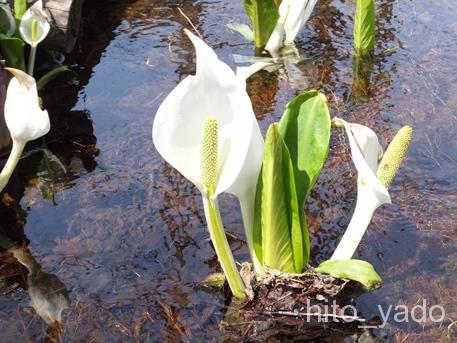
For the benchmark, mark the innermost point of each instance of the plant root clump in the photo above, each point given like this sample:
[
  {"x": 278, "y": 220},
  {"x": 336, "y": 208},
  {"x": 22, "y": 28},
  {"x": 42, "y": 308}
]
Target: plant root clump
[{"x": 298, "y": 307}]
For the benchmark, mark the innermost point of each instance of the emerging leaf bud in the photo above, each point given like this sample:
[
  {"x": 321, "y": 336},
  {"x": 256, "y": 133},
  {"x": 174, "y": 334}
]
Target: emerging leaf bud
[
  {"x": 209, "y": 153},
  {"x": 394, "y": 155}
]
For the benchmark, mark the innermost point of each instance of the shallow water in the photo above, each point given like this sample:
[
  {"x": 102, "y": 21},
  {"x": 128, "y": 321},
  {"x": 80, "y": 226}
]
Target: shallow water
[{"x": 125, "y": 233}]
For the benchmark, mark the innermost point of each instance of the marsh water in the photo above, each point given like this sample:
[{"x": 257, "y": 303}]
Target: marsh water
[{"x": 106, "y": 219}]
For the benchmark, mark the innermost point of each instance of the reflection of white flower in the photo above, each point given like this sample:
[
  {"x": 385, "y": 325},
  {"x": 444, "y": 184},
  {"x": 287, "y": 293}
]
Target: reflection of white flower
[
  {"x": 293, "y": 15},
  {"x": 11, "y": 23},
  {"x": 24, "y": 118},
  {"x": 371, "y": 193}
]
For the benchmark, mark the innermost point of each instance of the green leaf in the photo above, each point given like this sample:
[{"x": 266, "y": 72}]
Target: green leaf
[
  {"x": 305, "y": 127},
  {"x": 278, "y": 235},
  {"x": 264, "y": 16},
  {"x": 13, "y": 52},
  {"x": 20, "y": 6},
  {"x": 357, "y": 270},
  {"x": 364, "y": 27},
  {"x": 51, "y": 75}
]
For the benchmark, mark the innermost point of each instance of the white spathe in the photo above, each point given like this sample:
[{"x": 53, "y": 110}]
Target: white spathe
[
  {"x": 371, "y": 193},
  {"x": 293, "y": 15},
  {"x": 215, "y": 91},
  {"x": 35, "y": 12},
  {"x": 24, "y": 118}
]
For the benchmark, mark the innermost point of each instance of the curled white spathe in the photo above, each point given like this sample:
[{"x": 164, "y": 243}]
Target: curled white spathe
[
  {"x": 371, "y": 193},
  {"x": 293, "y": 15},
  {"x": 35, "y": 12},
  {"x": 215, "y": 90},
  {"x": 24, "y": 118}
]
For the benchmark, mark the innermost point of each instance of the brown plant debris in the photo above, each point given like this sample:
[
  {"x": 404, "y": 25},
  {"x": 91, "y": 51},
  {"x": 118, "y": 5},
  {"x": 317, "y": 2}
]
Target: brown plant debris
[{"x": 305, "y": 306}]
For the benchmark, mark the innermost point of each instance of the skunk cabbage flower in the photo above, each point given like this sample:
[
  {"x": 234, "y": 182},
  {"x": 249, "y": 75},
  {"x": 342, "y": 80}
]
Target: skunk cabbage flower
[
  {"x": 34, "y": 27},
  {"x": 372, "y": 180},
  {"x": 11, "y": 23},
  {"x": 293, "y": 15},
  {"x": 206, "y": 129},
  {"x": 24, "y": 118}
]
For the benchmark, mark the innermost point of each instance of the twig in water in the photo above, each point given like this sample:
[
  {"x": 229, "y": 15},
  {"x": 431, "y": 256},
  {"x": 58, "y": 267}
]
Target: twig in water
[
  {"x": 190, "y": 22},
  {"x": 310, "y": 314}
]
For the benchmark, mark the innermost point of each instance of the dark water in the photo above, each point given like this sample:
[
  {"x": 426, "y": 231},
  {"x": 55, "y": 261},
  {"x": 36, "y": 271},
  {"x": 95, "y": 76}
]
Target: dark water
[{"x": 125, "y": 233}]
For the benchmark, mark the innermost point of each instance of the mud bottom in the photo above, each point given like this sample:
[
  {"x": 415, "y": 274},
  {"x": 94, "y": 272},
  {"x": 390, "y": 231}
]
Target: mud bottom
[{"x": 306, "y": 307}]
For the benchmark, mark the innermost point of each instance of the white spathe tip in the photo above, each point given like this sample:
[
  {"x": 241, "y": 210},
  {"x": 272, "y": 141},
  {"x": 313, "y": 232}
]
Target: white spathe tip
[
  {"x": 34, "y": 13},
  {"x": 24, "y": 118}
]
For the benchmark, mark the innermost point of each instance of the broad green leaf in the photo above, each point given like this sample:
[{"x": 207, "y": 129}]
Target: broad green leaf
[
  {"x": 51, "y": 75},
  {"x": 20, "y": 6},
  {"x": 305, "y": 127},
  {"x": 279, "y": 231},
  {"x": 264, "y": 15},
  {"x": 357, "y": 270},
  {"x": 364, "y": 27},
  {"x": 13, "y": 52}
]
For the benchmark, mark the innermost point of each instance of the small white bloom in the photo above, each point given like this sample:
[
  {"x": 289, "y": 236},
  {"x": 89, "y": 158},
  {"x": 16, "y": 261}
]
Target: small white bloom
[
  {"x": 24, "y": 118},
  {"x": 371, "y": 193},
  {"x": 293, "y": 15},
  {"x": 34, "y": 26}
]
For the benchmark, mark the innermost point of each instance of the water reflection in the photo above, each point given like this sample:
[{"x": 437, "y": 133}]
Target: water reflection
[
  {"x": 362, "y": 69},
  {"x": 125, "y": 231},
  {"x": 48, "y": 294}
]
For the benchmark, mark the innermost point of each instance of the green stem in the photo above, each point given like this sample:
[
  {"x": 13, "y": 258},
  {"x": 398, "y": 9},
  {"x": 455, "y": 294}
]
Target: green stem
[
  {"x": 32, "y": 56},
  {"x": 222, "y": 247},
  {"x": 13, "y": 159}
]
